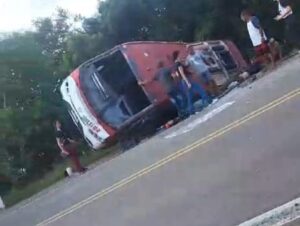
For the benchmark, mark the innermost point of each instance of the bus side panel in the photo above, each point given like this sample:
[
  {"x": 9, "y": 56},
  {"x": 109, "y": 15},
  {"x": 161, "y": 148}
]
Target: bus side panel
[
  {"x": 144, "y": 58},
  {"x": 237, "y": 56}
]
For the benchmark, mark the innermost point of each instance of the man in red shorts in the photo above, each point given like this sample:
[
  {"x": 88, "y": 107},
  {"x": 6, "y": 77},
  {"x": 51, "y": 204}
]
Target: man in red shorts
[{"x": 258, "y": 37}]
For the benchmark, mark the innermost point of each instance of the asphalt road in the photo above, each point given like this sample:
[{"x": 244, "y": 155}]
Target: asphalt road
[
  {"x": 295, "y": 223},
  {"x": 237, "y": 159}
]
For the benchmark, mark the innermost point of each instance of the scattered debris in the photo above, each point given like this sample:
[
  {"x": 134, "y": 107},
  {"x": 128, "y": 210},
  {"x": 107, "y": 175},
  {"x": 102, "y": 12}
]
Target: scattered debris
[
  {"x": 233, "y": 84},
  {"x": 192, "y": 125}
]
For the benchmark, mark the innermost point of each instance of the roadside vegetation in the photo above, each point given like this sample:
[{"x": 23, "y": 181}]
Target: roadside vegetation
[
  {"x": 20, "y": 193},
  {"x": 33, "y": 64}
]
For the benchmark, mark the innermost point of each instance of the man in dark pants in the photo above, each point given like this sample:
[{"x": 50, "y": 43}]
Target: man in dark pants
[
  {"x": 286, "y": 14},
  {"x": 67, "y": 147},
  {"x": 166, "y": 77}
]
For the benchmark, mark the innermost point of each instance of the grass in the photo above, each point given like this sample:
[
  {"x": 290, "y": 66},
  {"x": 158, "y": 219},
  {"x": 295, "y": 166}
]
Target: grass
[{"x": 17, "y": 195}]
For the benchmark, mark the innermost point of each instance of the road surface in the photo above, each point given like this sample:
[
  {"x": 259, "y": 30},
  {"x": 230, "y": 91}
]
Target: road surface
[
  {"x": 232, "y": 162},
  {"x": 295, "y": 223}
]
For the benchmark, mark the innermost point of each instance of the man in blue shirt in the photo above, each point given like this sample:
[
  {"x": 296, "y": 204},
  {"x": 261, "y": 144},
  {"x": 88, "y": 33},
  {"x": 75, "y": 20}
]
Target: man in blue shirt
[
  {"x": 196, "y": 61},
  {"x": 188, "y": 86},
  {"x": 165, "y": 77}
]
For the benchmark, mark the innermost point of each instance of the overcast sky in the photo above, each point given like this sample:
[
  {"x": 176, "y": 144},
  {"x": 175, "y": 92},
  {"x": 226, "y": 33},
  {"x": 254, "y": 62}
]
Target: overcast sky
[{"x": 18, "y": 14}]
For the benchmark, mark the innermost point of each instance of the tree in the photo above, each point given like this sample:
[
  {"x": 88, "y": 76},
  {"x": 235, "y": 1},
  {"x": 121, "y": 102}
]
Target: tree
[
  {"x": 51, "y": 34},
  {"x": 33, "y": 64},
  {"x": 26, "y": 80}
]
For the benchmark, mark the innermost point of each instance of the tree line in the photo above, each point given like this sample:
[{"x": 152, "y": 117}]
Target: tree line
[{"x": 33, "y": 63}]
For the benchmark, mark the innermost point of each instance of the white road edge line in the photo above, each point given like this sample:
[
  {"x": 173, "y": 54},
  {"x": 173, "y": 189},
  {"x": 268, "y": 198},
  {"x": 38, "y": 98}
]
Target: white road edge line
[
  {"x": 193, "y": 124},
  {"x": 279, "y": 216}
]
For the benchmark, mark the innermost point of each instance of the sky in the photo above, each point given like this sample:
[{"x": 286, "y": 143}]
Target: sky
[{"x": 17, "y": 15}]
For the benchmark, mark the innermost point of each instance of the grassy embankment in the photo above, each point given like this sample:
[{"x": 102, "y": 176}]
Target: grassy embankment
[{"x": 57, "y": 174}]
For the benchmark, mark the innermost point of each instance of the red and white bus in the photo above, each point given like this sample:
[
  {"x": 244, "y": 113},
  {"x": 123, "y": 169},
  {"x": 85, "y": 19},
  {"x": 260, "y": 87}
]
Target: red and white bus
[{"x": 106, "y": 102}]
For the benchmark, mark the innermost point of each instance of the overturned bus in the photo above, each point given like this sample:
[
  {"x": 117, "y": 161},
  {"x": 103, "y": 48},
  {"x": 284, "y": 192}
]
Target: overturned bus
[{"x": 106, "y": 102}]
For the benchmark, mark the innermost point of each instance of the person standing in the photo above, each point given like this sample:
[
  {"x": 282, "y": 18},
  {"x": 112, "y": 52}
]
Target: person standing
[
  {"x": 258, "y": 37},
  {"x": 189, "y": 87},
  {"x": 166, "y": 77},
  {"x": 67, "y": 147},
  {"x": 286, "y": 14},
  {"x": 197, "y": 62}
]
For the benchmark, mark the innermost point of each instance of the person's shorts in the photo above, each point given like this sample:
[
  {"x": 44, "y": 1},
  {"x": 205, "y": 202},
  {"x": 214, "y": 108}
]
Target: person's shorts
[{"x": 262, "y": 49}]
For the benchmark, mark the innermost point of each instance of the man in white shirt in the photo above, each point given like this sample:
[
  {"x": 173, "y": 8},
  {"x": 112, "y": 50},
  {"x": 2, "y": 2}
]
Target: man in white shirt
[{"x": 257, "y": 36}]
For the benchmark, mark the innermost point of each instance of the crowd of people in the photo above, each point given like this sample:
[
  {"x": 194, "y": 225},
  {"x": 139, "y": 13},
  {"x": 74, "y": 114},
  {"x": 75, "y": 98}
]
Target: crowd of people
[
  {"x": 179, "y": 84},
  {"x": 179, "y": 78}
]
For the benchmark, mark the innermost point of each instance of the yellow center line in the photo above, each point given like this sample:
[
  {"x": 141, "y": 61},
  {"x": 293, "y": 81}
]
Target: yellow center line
[{"x": 173, "y": 156}]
